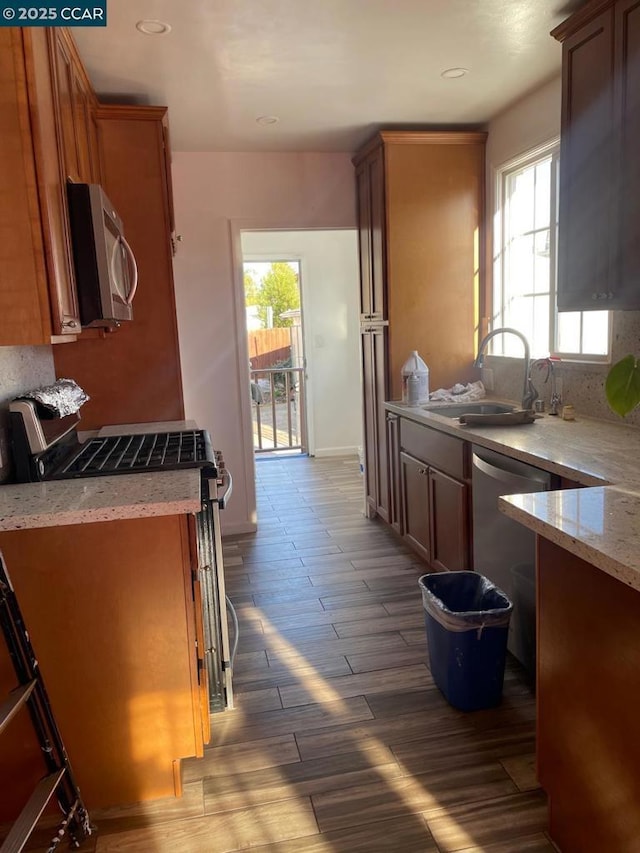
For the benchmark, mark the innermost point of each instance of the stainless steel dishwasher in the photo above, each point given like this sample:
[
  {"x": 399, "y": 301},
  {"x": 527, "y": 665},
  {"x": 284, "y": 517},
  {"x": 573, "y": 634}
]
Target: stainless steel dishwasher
[{"x": 503, "y": 550}]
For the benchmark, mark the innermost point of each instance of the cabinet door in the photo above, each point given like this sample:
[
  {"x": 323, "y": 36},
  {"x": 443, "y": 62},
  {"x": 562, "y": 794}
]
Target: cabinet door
[
  {"x": 627, "y": 76},
  {"x": 371, "y": 223},
  {"x": 587, "y": 184},
  {"x": 82, "y": 120},
  {"x": 166, "y": 144},
  {"x": 449, "y": 508},
  {"x": 364, "y": 239},
  {"x": 76, "y": 111},
  {"x": 378, "y": 213},
  {"x": 65, "y": 314},
  {"x": 374, "y": 378},
  {"x": 414, "y": 479},
  {"x": 64, "y": 90},
  {"x": 433, "y": 193},
  {"x": 23, "y": 304},
  {"x": 393, "y": 453},
  {"x": 117, "y": 605},
  {"x": 37, "y": 295}
]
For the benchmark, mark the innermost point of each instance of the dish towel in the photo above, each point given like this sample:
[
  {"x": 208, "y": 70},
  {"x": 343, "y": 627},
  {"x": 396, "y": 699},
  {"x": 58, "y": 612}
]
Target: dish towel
[{"x": 459, "y": 393}]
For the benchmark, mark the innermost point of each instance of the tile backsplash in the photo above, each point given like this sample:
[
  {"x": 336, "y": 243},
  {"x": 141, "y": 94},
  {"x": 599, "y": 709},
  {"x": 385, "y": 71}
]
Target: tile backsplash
[
  {"x": 582, "y": 384},
  {"x": 21, "y": 369}
]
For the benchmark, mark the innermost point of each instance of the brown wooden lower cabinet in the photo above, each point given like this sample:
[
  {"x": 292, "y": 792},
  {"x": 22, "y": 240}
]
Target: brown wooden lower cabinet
[
  {"x": 111, "y": 613},
  {"x": 393, "y": 452},
  {"x": 449, "y": 522},
  {"x": 588, "y": 740},
  {"x": 433, "y": 505},
  {"x": 414, "y": 478},
  {"x": 374, "y": 373}
]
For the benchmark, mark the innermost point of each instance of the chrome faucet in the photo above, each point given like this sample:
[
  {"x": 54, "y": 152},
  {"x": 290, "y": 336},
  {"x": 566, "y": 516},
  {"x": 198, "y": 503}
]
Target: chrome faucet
[{"x": 529, "y": 393}]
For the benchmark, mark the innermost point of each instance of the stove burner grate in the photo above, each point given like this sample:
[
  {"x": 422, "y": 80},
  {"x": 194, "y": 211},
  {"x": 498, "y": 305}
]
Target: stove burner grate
[{"x": 138, "y": 453}]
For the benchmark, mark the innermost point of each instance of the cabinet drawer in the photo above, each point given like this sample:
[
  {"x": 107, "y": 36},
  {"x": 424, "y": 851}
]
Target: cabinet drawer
[{"x": 445, "y": 452}]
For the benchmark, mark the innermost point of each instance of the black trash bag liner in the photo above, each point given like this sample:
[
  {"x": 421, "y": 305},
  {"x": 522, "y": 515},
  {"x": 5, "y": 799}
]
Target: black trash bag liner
[
  {"x": 64, "y": 397},
  {"x": 462, "y": 601}
]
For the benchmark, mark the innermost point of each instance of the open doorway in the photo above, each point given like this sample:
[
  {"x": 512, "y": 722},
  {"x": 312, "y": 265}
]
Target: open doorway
[
  {"x": 330, "y": 329},
  {"x": 277, "y": 364}
]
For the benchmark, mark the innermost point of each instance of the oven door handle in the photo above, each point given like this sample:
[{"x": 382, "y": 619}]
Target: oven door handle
[{"x": 227, "y": 488}]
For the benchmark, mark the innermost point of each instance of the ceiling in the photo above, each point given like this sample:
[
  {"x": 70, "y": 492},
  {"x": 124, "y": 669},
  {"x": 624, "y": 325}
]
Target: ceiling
[{"x": 332, "y": 71}]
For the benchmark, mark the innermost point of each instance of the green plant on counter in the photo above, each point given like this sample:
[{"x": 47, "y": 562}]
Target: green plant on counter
[{"x": 622, "y": 386}]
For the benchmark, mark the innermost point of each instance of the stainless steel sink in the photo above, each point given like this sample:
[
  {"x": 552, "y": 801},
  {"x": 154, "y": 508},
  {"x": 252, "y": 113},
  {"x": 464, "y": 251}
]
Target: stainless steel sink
[{"x": 454, "y": 411}]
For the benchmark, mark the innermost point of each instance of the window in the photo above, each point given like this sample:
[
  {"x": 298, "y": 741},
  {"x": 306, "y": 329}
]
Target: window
[{"x": 525, "y": 240}]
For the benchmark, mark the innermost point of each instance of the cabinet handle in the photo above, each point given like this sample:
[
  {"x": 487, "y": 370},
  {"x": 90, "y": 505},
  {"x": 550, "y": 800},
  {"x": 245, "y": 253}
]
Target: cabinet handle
[
  {"x": 423, "y": 471},
  {"x": 602, "y": 295},
  {"x": 70, "y": 324}
]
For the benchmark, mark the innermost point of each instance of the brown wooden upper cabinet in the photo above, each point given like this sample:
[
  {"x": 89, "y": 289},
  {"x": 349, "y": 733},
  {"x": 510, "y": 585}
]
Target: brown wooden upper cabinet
[
  {"x": 135, "y": 176},
  {"x": 76, "y": 106},
  {"x": 371, "y": 217},
  {"x": 38, "y": 302},
  {"x": 599, "y": 213}
]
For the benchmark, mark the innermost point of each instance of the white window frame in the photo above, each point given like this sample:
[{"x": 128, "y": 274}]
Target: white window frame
[{"x": 502, "y": 172}]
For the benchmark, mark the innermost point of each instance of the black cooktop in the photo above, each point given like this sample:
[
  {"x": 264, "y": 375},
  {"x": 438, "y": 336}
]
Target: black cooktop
[
  {"x": 124, "y": 454},
  {"x": 127, "y": 454}
]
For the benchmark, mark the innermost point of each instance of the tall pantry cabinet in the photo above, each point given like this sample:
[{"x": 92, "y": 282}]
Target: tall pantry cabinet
[{"x": 420, "y": 203}]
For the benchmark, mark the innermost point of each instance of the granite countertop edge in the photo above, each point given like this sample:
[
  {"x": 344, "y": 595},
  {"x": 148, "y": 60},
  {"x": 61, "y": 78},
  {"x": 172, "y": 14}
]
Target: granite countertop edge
[{"x": 66, "y": 502}]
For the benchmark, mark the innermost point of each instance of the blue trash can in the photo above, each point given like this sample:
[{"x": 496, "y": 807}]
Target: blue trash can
[{"x": 467, "y": 621}]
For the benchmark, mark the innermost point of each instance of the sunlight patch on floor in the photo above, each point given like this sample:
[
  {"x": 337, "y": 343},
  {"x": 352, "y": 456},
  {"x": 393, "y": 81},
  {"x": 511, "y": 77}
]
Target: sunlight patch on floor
[{"x": 406, "y": 788}]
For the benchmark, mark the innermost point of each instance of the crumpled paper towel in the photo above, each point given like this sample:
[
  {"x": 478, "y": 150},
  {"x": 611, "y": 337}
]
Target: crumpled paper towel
[{"x": 459, "y": 393}]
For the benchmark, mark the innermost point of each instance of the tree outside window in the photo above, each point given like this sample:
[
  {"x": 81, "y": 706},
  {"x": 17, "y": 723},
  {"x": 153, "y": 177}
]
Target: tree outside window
[{"x": 273, "y": 293}]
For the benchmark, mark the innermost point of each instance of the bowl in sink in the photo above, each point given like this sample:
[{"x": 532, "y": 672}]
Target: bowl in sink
[{"x": 457, "y": 409}]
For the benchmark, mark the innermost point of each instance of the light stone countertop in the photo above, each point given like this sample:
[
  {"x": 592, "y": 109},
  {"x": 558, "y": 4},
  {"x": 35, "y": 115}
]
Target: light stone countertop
[
  {"x": 91, "y": 499},
  {"x": 599, "y": 524}
]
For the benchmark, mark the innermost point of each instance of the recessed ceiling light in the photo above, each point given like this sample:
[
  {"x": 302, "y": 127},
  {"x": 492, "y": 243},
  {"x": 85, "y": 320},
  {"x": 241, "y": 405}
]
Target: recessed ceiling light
[
  {"x": 268, "y": 119},
  {"x": 454, "y": 73},
  {"x": 153, "y": 28}
]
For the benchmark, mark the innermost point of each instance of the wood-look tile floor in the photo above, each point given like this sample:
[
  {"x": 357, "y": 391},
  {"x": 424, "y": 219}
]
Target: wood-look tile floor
[{"x": 340, "y": 742}]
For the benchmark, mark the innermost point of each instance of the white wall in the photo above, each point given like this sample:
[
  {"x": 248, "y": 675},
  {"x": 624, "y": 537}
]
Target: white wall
[
  {"x": 330, "y": 306},
  {"x": 216, "y": 195},
  {"x": 526, "y": 124},
  {"x": 529, "y": 122}
]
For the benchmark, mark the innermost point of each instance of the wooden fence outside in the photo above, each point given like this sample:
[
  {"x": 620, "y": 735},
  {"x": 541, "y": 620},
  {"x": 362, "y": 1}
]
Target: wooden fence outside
[{"x": 269, "y": 347}]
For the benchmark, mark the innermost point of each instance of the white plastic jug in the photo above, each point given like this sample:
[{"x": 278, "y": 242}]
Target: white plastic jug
[{"x": 415, "y": 381}]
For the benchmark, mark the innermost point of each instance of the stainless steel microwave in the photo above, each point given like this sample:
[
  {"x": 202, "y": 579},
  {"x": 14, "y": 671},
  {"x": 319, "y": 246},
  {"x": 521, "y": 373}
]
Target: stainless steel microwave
[{"x": 105, "y": 267}]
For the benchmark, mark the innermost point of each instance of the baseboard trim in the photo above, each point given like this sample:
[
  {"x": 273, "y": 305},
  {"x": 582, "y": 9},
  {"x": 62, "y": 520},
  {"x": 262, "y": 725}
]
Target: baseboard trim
[
  {"x": 238, "y": 528},
  {"x": 323, "y": 452}
]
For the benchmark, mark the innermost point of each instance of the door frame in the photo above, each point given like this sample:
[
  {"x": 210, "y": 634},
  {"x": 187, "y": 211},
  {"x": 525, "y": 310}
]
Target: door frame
[
  {"x": 264, "y": 257},
  {"x": 236, "y": 227}
]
